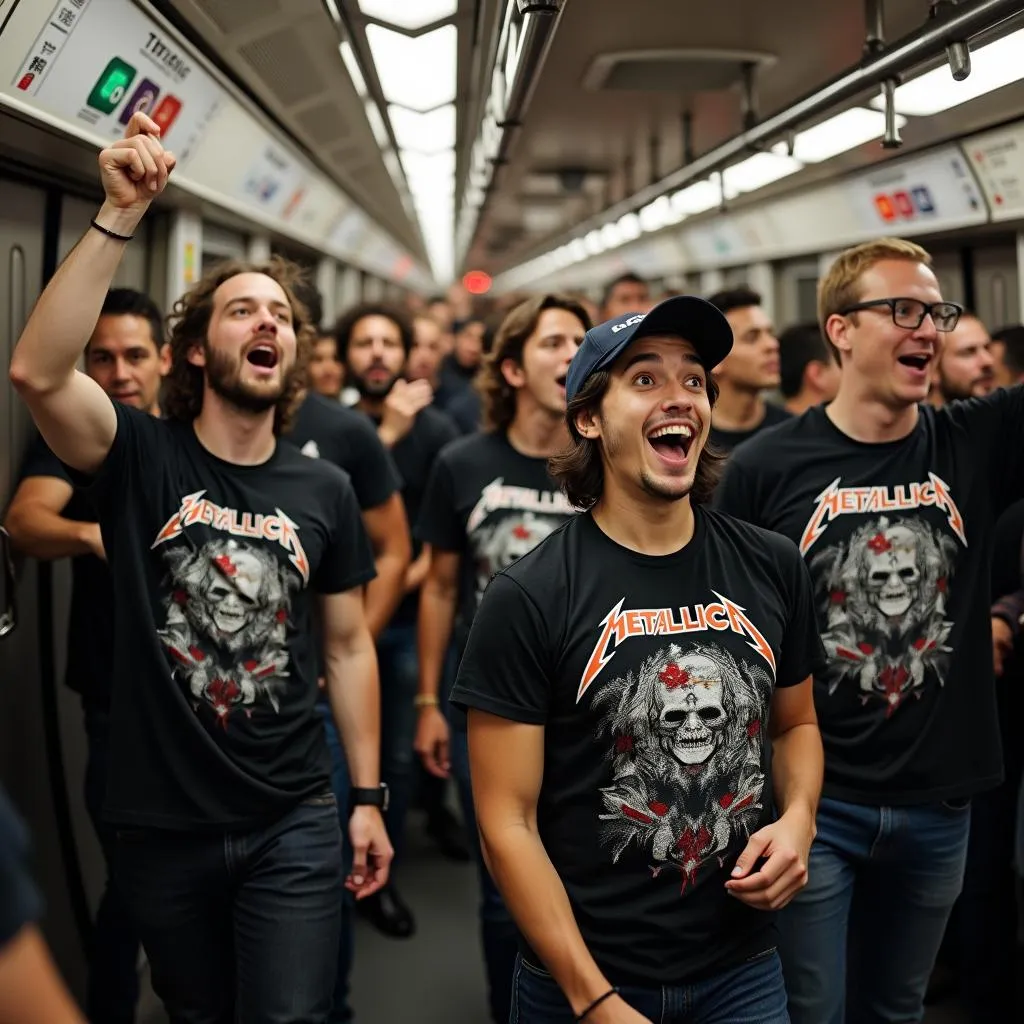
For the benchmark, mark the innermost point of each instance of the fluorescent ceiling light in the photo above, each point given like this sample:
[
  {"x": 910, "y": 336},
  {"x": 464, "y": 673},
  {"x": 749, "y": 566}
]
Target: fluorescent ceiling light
[
  {"x": 393, "y": 164},
  {"x": 352, "y": 66},
  {"x": 629, "y": 227},
  {"x": 696, "y": 198},
  {"x": 594, "y": 243},
  {"x": 426, "y": 133},
  {"x": 377, "y": 126},
  {"x": 611, "y": 236},
  {"x": 418, "y": 73},
  {"x": 654, "y": 216},
  {"x": 992, "y": 66},
  {"x": 409, "y": 14},
  {"x": 332, "y": 9},
  {"x": 431, "y": 177},
  {"x": 757, "y": 171},
  {"x": 838, "y": 134},
  {"x": 578, "y": 250}
]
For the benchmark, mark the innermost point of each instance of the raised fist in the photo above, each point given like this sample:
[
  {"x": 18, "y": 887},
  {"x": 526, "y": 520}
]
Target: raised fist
[{"x": 134, "y": 169}]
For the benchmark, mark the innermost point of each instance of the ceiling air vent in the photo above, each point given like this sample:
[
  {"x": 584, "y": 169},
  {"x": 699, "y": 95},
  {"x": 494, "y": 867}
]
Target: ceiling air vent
[
  {"x": 232, "y": 16},
  {"x": 676, "y": 71}
]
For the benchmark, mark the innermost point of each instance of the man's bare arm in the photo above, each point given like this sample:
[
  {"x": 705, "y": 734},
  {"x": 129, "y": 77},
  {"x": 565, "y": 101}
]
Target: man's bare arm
[
  {"x": 71, "y": 410},
  {"x": 31, "y": 990},
  {"x": 506, "y": 766},
  {"x": 439, "y": 596},
  {"x": 388, "y": 529},
  {"x": 37, "y": 527}
]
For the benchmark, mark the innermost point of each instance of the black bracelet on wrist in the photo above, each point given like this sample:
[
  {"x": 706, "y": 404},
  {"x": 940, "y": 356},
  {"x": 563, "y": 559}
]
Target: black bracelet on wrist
[
  {"x": 597, "y": 1002},
  {"x": 111, "y": 234}
]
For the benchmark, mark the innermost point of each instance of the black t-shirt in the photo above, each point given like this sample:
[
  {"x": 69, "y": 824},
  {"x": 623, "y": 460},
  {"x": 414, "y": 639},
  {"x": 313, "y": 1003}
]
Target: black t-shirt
[
  {"x": 90, "y": 638},
  {"x": 213, "y": 719},
  {"x": 653, "y": 678},
  {"x": 325, "y": 429},
  {"x": 898, "y": 538},
  {"x": 491, "y": 504},
  {"x": 20, "y": 903},
  {"x": 414, "y": 457},
  {"x": 727, "y": 440}
]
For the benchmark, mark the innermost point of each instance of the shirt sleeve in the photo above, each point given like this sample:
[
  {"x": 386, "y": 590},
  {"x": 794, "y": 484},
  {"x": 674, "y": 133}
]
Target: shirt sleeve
[
  {"x": 348, "y": 559},
  {"x": 803, "y": 653},
  {"x": 736, "y": 493},
  {"x": 140, "y": 442},
  {"x": 506, "y": 668},
  {"x": 40, "y": 461},
  {"x": 372, "y": 470},
  {"x": 439, "y": 523},
  {"x": 20, "y": 902},
  {"x": 995, "y": 427}
]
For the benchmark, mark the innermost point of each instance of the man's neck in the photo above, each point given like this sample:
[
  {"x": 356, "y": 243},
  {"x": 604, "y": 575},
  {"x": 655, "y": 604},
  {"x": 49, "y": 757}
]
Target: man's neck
[
  {"x": 651, "y": 526},
  {"x": 738, "y": 409},
  {"x": 538, "y": 434},
  {"x": 864, "y": 418},
  {"x": 799, "y": 404},
  {"x": 372, "y": 407},
  {"x": 242, "y": 438}
]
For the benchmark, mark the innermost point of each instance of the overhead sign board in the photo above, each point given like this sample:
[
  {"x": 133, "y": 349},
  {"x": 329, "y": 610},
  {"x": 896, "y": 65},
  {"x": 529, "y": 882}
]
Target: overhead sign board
[
  {"x": 997, "y": 158},
  {"x": 96, "y": 62},
  {"x": 932, "y": 192}
]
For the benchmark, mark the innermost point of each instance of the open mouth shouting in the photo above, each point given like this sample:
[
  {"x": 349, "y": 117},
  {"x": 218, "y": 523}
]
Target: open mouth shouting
[
  {"x": 264, "y": 356},
  {"x": 917, "y": 365},
  {"x": 672, "y": 443},
  {"x": 560, "y": 381}
]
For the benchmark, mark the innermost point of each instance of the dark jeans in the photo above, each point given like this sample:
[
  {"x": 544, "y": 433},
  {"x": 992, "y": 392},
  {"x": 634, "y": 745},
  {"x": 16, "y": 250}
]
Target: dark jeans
[
  {"x": 498, "y": 932},
  {"x": 341, "y": 1012},
  {"x": 858, "y": 943},
  {"x": 112, "y": 989},
  {"x": 240, "y": 926},
  {"x": 752, "y": 993}
]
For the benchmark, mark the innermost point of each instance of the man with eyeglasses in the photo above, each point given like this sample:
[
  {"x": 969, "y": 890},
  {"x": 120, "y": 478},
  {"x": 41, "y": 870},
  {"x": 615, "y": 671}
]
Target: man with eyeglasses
[{"x": 892, "y": 503}]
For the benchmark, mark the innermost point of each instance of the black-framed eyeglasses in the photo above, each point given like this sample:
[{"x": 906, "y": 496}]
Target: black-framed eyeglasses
[{"x": 910, "y": 313}]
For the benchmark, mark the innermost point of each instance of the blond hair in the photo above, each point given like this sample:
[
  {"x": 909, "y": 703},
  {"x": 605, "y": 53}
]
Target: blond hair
[{"x": 840, "y": 287}]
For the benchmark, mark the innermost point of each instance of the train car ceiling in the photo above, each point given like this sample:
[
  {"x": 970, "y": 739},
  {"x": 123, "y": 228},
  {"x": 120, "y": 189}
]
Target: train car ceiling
[{"x": 79, "y": 69}]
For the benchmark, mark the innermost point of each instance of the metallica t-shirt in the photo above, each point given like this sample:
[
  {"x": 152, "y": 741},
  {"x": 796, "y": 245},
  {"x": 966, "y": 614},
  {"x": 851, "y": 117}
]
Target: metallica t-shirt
[
  {"x": 653, "y": 678},
  {"x": 325, "y": 429},
  {"x": 214, "y": 564},
  {"x": 897, "y": 537},
  {"x": 491, "y": 504},
  {"x": 91, "y": 618}
]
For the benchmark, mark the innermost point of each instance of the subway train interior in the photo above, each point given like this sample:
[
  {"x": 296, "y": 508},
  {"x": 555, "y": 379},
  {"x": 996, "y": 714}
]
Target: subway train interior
[{"x": 452, "y": 158}]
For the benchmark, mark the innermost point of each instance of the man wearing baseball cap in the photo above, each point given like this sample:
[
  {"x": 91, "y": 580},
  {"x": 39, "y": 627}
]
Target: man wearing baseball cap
[{"x": 645, "y": 757}]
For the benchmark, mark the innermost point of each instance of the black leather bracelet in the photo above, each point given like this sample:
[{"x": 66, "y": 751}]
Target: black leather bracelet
[
  {"x": 597, "y": 1002},
  {"x": 111, "y": 234}
]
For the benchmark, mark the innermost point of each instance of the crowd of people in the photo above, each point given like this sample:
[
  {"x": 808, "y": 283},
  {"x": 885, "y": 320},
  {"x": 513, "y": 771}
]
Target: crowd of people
[{"x": 712, "y": 627}]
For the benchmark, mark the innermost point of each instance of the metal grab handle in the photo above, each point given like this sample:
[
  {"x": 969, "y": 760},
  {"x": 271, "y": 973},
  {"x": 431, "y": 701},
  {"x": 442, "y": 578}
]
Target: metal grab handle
[{"x": 9, "y": 619}]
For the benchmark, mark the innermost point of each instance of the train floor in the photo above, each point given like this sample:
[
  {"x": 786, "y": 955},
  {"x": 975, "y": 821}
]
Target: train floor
[{"x": 436, "y": 976}]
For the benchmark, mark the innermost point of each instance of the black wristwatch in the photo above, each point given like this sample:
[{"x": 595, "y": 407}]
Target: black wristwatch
[{"x": 368, "y": 797}]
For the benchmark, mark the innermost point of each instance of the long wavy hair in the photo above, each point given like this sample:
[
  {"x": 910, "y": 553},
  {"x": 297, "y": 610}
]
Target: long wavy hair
[
  {"x": 580, "y": 470},
  {"x": 190, "y": 324},
  {"x": 497, "y": 395}
]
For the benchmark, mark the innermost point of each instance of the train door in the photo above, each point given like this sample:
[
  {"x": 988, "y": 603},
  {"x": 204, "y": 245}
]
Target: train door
[
  {"x": 30, "y": 765},
  {"x": 996, "y": 285},
  {"x": 796, "y": 292}
]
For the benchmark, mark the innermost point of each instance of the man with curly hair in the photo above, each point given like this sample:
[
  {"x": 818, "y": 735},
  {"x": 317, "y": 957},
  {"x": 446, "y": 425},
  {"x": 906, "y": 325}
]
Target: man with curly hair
[
  {"x": 644, "y": 752},
  {"x": 217, "y": 535}
]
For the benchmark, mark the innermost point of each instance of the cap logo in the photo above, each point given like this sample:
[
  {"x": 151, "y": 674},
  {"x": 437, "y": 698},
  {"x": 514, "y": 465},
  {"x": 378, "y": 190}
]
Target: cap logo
[{"x": 627, "y": 323}]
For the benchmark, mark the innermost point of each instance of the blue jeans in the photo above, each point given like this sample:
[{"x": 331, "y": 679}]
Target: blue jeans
[
  {"x": 751, "y": 993},
  {"x": 240, "y": 926},
  {"x": 859, "y": 941},
  {"x": 341, "y": 1012},
  {"x": 498, "y": 933},
  {"x": 112, "y": 990}
]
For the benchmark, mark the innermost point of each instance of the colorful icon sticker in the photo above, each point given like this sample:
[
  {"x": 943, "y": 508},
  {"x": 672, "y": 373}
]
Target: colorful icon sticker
[{"x": 111, "y": 86}]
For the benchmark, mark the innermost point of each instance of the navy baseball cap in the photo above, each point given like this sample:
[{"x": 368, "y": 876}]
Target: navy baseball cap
[{"x": 686, "y": 316}]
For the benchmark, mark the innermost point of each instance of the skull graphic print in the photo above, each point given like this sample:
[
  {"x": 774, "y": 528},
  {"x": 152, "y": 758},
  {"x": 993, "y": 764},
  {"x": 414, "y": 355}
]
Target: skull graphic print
[
  {"x": 884, "y": 594},
  {"x": 226, "y": 626},
  {"x": 684, "y": 739}
]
